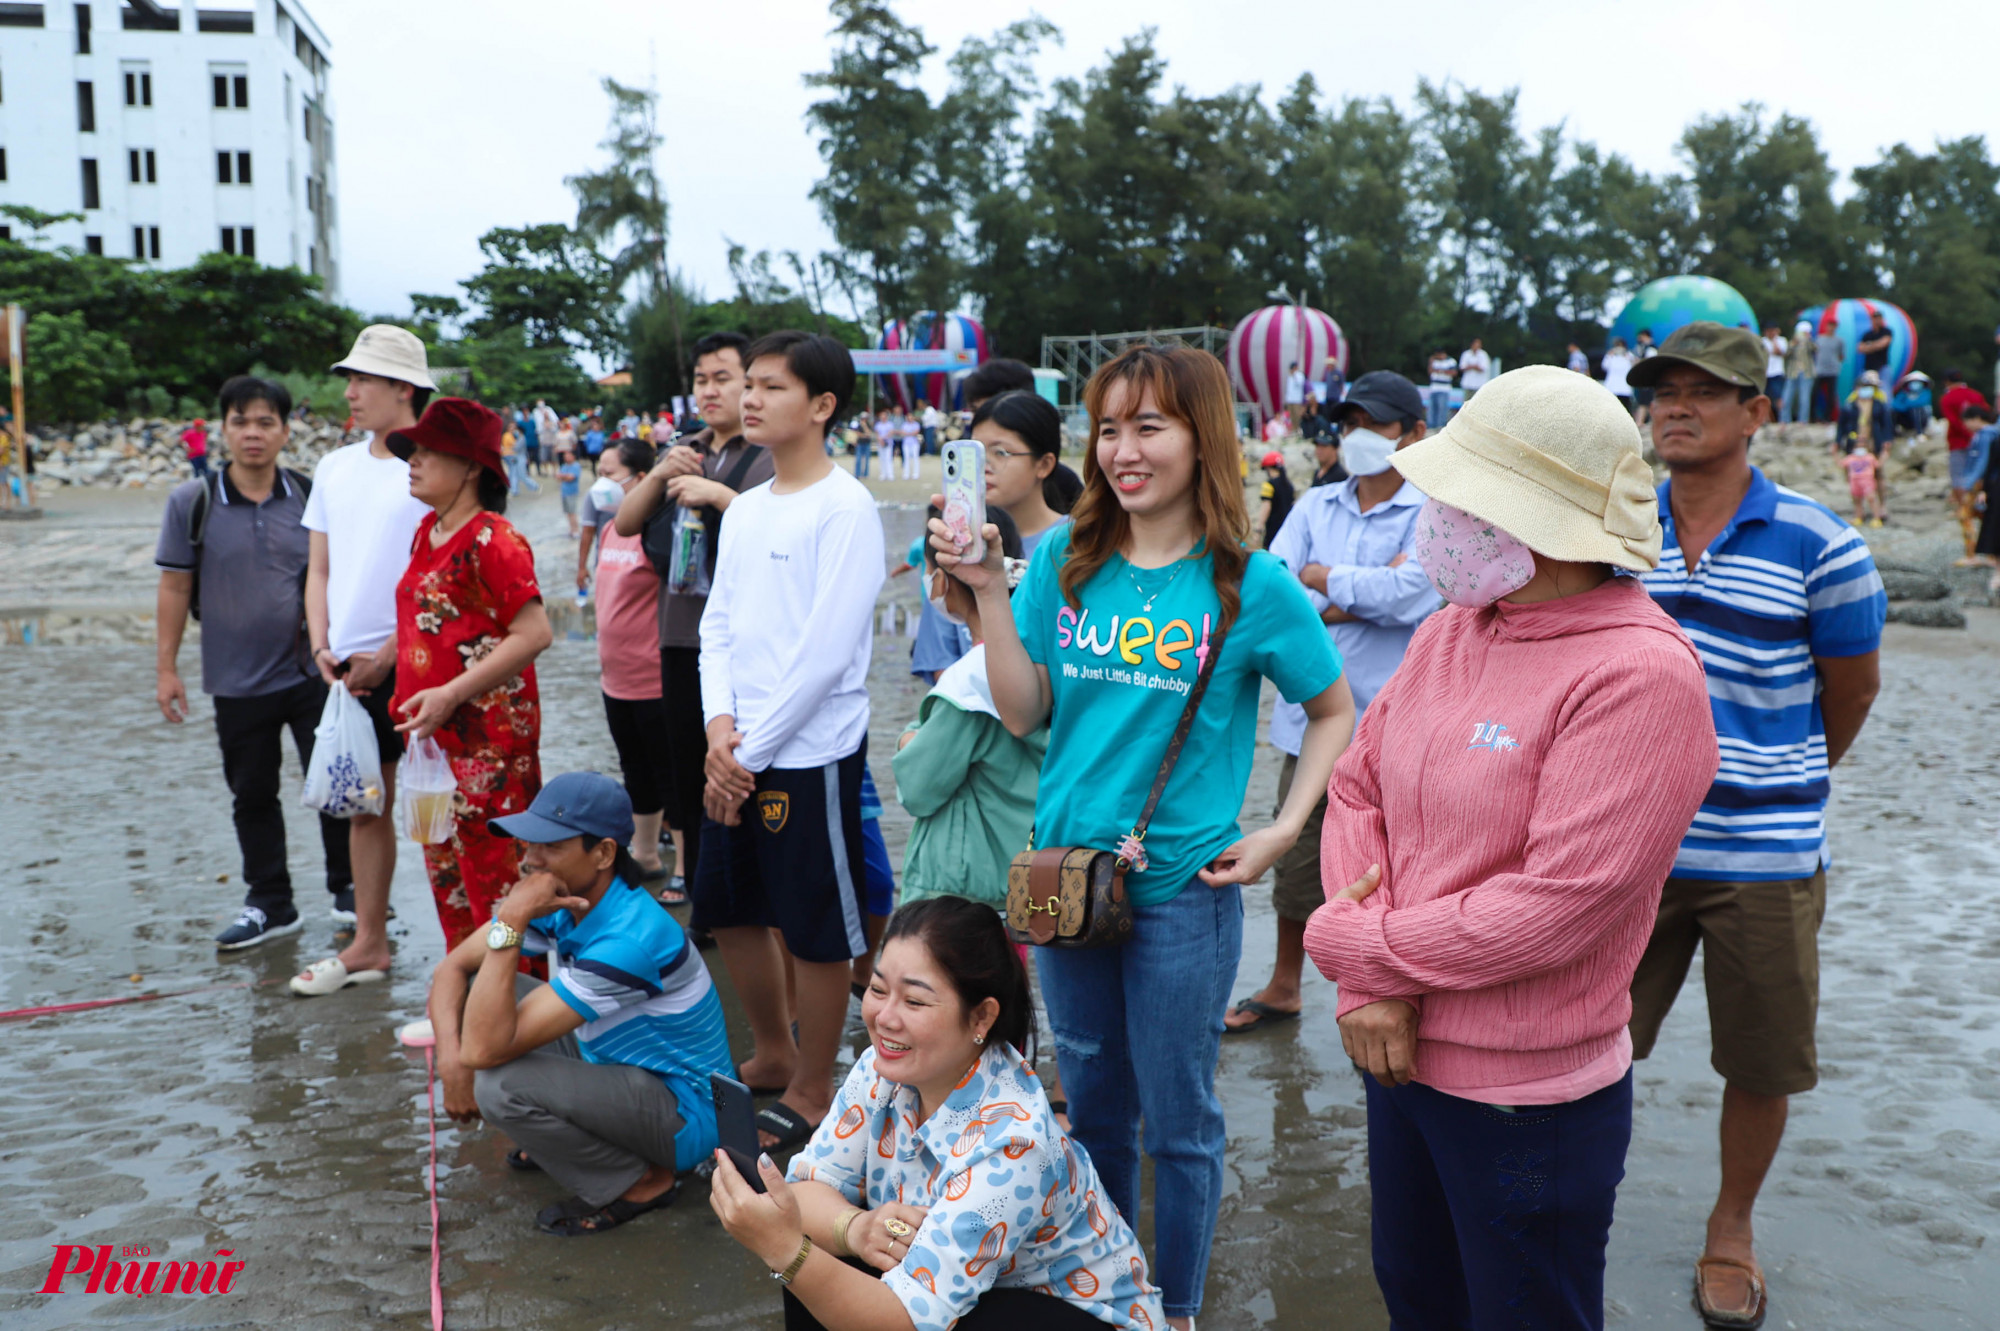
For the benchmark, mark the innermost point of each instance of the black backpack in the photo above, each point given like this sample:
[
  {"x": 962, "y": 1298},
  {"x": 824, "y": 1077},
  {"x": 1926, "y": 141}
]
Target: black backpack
[{"x": 204, "y": 501}]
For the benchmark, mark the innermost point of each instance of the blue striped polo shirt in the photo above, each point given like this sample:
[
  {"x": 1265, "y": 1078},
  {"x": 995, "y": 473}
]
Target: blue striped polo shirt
[
  {"x": 629, "y": 971},
  {"x": 1787, "y": 580}
]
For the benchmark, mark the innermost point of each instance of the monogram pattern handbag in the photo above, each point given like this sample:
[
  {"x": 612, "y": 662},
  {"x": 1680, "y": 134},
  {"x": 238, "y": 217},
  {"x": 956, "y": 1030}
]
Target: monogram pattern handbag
[{"x": 1074, "y": 896}]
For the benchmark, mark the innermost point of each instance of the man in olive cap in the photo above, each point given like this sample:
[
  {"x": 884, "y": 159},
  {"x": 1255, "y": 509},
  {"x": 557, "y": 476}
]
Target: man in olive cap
[{"x": 1782, "y": 600}]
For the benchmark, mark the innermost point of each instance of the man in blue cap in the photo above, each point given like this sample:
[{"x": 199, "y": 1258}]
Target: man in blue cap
[
  {"x": 600, "y": 1075},
  {"x": 1349, "y": 544}
]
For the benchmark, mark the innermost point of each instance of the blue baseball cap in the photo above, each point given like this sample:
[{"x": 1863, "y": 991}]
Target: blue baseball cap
[{"x": 585, "y": 804}]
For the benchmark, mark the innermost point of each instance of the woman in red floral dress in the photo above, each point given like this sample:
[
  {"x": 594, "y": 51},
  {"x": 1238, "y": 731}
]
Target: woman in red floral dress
[{"x": 469, "y": 624}]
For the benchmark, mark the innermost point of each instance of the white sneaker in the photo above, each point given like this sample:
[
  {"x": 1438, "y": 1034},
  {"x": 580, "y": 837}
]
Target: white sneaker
[{"x": 417, "y": 1033}]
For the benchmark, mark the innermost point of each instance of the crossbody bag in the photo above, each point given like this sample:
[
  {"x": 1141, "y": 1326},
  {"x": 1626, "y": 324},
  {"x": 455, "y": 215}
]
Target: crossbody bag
[{"x": 1074, "y": 896}]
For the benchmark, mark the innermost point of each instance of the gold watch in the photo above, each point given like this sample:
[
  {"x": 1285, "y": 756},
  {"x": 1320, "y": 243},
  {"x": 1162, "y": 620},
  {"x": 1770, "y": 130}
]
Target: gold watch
[
  {"x": 501, "y": 935},
  {"x": 790, "y": 1273}
]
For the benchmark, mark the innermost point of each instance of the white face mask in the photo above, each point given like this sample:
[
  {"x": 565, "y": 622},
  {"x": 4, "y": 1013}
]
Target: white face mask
[
  {"x": 938, "y": 602},
  {"x": 1366, "y": 453}
]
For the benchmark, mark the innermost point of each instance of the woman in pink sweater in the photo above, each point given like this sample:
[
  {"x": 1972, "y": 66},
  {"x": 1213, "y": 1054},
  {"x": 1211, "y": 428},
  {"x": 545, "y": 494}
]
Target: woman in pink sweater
[{"x": 1498, "y": 834}]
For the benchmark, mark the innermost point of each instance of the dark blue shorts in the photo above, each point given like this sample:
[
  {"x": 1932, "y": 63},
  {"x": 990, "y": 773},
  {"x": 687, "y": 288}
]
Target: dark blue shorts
[{"x": 795, "y": 863}]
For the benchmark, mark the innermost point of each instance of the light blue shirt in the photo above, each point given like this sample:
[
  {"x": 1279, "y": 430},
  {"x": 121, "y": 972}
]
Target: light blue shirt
[{"x": 1328, "y": 527}]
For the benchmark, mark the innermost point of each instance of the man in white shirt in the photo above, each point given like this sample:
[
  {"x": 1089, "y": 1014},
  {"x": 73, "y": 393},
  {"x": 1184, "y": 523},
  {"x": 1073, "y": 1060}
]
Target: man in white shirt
[
  {"x": 1295, "y": 394},
  {"x": 361, "y": 520},
  {"x": 1475, "y": 367},
  {"x": 932, "y": 419},
  {"x": 785, "y": 644}
]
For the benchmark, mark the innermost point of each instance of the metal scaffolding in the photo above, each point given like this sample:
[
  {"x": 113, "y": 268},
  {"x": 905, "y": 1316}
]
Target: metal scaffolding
[{"x": 1077, "y": 358}]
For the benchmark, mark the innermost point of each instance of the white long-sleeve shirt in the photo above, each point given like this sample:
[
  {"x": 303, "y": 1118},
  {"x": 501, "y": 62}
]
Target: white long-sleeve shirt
[{"x": 790, "y": 622}]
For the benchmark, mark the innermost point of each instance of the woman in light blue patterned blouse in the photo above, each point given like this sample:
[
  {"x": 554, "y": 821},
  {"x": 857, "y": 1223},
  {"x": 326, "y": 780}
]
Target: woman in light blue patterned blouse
[{"x": 940, "y": 1164}]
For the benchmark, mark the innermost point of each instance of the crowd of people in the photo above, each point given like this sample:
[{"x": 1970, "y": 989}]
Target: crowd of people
[{"x": 1545, "y": 729}]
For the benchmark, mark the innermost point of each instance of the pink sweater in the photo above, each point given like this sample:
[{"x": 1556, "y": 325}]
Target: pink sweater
[{"x": 1524, "y": 780}]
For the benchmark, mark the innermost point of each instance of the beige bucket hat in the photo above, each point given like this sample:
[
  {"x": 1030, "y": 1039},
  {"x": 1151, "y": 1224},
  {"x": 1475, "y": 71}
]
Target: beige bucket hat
[
  {"x": 392, "y": 353},
  {"x": 1550, "y": 457}
]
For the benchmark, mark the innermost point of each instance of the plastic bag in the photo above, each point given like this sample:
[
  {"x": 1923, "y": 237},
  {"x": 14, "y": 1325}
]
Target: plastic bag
[
  {"x": 345, "y": 775},
  {"x": 688, "y": 573},
  {"x": 425, "y": 789}
]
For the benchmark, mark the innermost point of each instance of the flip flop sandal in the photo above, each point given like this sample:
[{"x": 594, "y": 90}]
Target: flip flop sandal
[
  {"x": 783, "y": 1122},
  {"x": 1266, "y": 1016},
  {"x": 671, "y": 895},
  {"x": 330, "y": 977},
  {"x": 1730, "y": 1319},
  {"x": 522, "y": 1161},
  {"x": 608, "y": 1216}
]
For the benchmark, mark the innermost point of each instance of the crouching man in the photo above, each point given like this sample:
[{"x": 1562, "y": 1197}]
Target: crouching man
[{"x": 600, "y": 1076}]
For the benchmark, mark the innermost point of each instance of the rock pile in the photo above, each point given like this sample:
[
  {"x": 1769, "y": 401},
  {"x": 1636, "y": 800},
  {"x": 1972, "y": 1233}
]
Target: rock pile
[{"x": 141, "y": 453}]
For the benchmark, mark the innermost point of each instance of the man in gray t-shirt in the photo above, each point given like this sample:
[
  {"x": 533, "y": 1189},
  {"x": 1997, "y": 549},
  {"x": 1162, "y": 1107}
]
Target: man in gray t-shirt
[
  {"x": 705, "y": 470},
  {"x": 244, "y": 574},
  {"x": 1829, "y": 352}
]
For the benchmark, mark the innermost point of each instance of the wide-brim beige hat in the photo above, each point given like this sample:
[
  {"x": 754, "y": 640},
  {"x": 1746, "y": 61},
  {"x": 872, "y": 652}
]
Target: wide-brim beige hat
[
  {"x": 392, "y": 353},
  {"x": 1551, "y": 457}
]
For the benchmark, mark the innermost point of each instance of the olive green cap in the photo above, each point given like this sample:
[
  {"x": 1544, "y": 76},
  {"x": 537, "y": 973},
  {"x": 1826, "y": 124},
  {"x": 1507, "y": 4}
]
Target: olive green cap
[{"x": 1733, "y": 355}]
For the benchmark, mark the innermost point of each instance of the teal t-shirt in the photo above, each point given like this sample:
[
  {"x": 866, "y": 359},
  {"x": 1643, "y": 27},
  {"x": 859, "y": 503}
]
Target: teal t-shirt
[{"x": 1120, "y": 675}]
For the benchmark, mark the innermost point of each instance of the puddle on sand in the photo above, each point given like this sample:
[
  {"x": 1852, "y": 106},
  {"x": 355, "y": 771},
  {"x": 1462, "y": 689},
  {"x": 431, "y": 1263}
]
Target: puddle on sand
[{"x": 292, "y": 1132}]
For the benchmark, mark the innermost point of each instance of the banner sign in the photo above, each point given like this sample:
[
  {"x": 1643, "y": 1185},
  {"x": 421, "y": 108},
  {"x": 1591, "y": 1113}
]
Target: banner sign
[{"x": 920, "y": 360}]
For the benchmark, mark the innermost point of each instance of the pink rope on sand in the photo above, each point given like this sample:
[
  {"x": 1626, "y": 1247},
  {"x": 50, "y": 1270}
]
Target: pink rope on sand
[
  {"x": 53, "y": 1009},
  {"x": 430, "y": 1086}
]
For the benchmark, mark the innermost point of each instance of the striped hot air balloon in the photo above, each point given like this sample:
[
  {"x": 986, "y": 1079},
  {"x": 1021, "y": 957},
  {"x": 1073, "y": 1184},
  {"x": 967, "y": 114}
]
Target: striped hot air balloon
[
  {"x": 1266, "y": 344},
  {"x": 1849, "y": 321},
  {"x": 928, "y": 330}
]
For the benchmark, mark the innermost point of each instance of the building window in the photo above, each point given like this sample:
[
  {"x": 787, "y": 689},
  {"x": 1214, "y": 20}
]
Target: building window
[
  {"x": 240, "y": 85},
  {"x": 232, "y": 168},
  {"x": 3, "y": 163},
  {"x": 221, "y": 82},
  {"x": 138, "y": 87},
  {"x": 246, "y": 241},
  {"x": 6, "y": 233},
  {"x": 138, "y": 242},
  {"x": 90, "y": 183},
  {"x": 86, "y": 108},
  {"x": 243, "y": 168},
  {"x": 93, "y": 244},
  {"x": 152, "y": 168},
  {"x": 229, "y": 240},
  {"x": 144, "y": 166},
  {"x": 83, "y": 29},
  {"x": 136, "y": 163}
]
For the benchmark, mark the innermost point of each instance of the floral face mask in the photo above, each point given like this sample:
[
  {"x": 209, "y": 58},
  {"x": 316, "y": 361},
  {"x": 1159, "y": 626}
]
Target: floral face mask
[{"x": 1469, "y": 560}]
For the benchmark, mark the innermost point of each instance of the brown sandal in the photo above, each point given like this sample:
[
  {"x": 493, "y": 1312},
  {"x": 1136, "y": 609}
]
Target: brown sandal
[{"x": 1743, "y": 1319}]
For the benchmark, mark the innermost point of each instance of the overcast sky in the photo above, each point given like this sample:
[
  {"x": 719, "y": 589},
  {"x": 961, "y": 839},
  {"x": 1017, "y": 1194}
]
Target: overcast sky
[{"x": 455, "y": 116}]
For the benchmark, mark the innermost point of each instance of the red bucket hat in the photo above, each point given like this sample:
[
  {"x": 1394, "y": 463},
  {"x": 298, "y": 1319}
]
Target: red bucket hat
[{"x": 457, "y": 426}]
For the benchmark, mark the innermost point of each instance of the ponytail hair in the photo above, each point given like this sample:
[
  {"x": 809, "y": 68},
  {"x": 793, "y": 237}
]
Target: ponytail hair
[{"x": 971, "y": 947}]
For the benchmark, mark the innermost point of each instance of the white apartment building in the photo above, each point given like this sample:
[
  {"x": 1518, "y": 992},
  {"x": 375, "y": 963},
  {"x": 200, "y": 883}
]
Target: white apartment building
[{"x": 175, "y": 129}]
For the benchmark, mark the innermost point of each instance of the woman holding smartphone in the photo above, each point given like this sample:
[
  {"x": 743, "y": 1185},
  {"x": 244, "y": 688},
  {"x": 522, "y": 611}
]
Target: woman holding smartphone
[
  {"x": 1022, "y": 435},
  {"x": 1149, "y": 584}
]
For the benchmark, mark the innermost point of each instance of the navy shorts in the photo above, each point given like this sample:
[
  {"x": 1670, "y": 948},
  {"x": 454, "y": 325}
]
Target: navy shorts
[{"x": 795, "y": 863}]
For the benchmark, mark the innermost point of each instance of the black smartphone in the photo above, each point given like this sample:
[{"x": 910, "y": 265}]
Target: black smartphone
[{"x": 736, "y": 1126}]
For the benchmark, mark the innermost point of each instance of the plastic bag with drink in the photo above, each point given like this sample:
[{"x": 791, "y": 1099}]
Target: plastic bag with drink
[
  {"x": 425, "y": 789},
  {"x": 344, "y": 777}
]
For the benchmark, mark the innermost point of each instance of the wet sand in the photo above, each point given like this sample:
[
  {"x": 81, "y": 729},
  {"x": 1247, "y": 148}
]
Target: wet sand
[{"x": 292, "y": 1132}]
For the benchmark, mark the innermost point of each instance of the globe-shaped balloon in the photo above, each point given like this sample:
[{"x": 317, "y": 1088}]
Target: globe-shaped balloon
[
  {"x": 1672, "y": 302},
  {"x": 1850, "y": 320},
  {"x": 929, "y": 330},
  {"x": 1264, "y": 346}
]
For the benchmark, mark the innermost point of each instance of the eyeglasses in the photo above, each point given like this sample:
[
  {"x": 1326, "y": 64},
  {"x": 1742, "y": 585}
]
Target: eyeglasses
[{"x": 1008, "y": 453}]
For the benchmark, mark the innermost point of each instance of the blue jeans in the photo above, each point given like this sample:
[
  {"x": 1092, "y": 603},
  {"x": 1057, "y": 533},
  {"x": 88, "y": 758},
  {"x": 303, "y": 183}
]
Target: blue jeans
[
  {"x": 1438, "y": 404},
  {"x": 1797, "y": 404},
  {"x": 1484, "y": 1219},
  {"x": 861, "y": 458},
  {"x": 1138, "y": 1029}
]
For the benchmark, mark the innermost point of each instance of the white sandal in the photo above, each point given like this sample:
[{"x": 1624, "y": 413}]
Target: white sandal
[{"x": 330, "y": 977}]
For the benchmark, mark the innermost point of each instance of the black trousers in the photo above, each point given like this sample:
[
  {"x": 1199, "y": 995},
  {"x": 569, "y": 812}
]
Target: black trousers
[
  {"x": 639, "y": 732},
  {"x": 997, "y": 1310},
  {"x": 687, "y": 748},
  {"x": 251, "y": 732}
]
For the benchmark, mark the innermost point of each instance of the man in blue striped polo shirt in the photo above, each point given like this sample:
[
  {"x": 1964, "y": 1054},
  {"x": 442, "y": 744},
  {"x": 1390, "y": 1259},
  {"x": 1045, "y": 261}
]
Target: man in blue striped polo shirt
[
  {"x": 601, "y": 1075},
  {"x": 1784, "y": 604}
]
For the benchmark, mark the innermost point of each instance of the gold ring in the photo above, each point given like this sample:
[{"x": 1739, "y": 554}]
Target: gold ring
[{"x": 898, "y": 1229}]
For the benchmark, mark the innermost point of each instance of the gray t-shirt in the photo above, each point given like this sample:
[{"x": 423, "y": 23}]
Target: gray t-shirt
[
  {"x": 253, "y": 565},
  {"x": 680, "y": 613},
  {"x": 1828, "y": 353}
]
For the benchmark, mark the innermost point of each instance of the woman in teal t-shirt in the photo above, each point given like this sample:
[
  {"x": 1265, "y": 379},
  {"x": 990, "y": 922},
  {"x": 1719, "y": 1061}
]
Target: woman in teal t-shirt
[{"x": 1103, "y": 641}]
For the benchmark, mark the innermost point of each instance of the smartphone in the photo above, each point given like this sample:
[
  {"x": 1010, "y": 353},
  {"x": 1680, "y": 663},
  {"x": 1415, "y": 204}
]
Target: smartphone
[
  {"x": 736, "y": 1126},
  {"x": 965, "y": 496}
]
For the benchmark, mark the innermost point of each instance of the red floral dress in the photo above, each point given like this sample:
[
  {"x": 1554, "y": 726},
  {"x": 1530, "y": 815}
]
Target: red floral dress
[{"x": 453, "y": 606}]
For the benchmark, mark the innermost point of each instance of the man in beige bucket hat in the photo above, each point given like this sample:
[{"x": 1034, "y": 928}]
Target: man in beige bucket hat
[
  {"x": 361, "y": 519},
  {"x": 1783, "y": 603}
]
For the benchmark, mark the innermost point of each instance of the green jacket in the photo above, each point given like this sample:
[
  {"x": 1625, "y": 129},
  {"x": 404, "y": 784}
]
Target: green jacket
[{"x": 970, "y": 785}]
